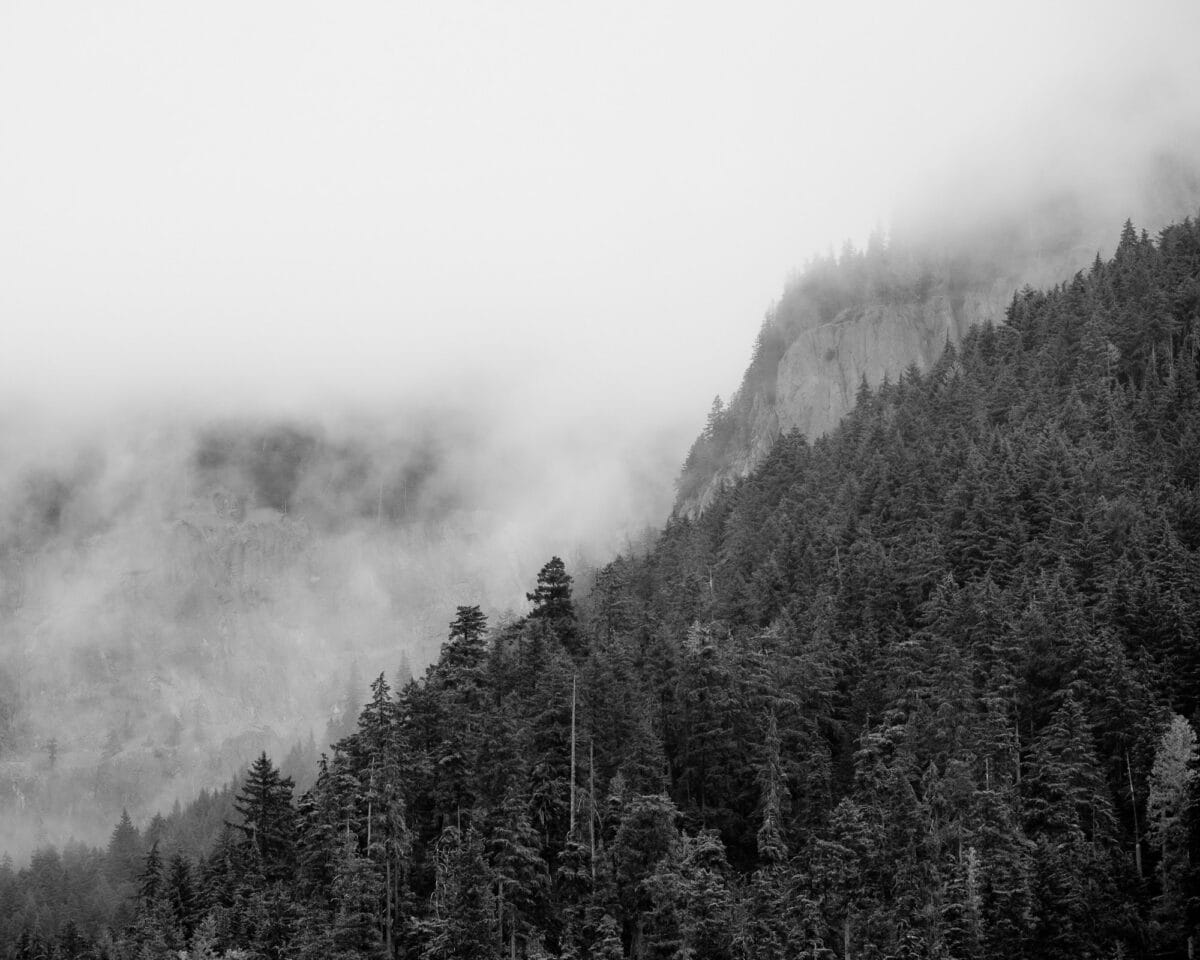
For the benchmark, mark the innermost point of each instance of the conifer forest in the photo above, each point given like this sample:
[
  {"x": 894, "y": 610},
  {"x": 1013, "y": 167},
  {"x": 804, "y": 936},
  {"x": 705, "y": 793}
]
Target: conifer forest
[{"x": 926, "y": 686}]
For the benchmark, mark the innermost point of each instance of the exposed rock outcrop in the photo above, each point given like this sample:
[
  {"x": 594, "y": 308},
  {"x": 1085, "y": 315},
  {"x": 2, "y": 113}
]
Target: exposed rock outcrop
[
  {"x": 812, "y": 360},
  {"x": 822, "y": 370},
  {"x": 870, "y": 314}
]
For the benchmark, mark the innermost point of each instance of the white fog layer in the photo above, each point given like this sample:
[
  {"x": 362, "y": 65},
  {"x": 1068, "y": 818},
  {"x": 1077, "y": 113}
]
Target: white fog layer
[{"x": 317, "y": 322}]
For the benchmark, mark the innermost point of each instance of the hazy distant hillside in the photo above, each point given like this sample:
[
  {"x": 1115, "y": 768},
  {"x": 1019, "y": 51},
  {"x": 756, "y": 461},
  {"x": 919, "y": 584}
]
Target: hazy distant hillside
[
  {"x": 174, "y": 599},
  {"x": 923, "y": 687}
]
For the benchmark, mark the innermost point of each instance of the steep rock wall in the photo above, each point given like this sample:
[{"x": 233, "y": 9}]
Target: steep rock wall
[
  {"x": 818, "y": 375},
  {"x": 821, "y": 371}
]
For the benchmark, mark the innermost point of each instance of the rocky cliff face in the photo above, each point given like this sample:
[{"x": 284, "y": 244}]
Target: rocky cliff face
[
  {"x": 870, "y": 314},
  {"x": 821, "y": 371},
  {"x": 813, "y": 357}
]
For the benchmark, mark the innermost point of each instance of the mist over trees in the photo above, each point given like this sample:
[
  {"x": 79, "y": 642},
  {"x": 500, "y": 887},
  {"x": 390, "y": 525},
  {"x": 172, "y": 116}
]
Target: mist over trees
[
  {"x": 942, "y": 268},
  {"x": 926, "y": 686},
  {"x": 177, "y": 596}
]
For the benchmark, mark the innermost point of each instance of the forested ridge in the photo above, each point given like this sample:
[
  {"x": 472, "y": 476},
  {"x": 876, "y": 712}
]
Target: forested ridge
[{"x": 924, "y": 687}]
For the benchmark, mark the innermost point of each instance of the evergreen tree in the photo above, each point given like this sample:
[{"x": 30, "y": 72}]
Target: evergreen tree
[
  {"x": 124, "y": 856},
  {"x": 460, "y": 922},
  {"x": 1172, "y": 780},
  {"x": 772, "y": 848},
  {"x": 150, "y": 880},
  {"x": 522, "y": 881},
  {"x": 357, "y": 890},
  {"x": 180, "y": 895},
  {"x": 552, "y": 603},
  {"x": 608, "y": 940},
  {"x": 899, "y": 692},
  {"x": 268, "y": 818},
  {"x": 647, "y": 833}
]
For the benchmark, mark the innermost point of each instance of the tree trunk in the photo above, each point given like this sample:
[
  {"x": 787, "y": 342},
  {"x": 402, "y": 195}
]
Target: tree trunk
[
  {"x": 387, "y": 866},
  {"x": 1137, "y": 832},
  {"x": 592, "y": 805},
  {"x": 500, "y": 916},
  {"x": 571, "y": 831}
]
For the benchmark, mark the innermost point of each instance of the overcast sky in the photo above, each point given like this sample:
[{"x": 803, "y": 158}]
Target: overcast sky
[{"x": 287, "y": 201}]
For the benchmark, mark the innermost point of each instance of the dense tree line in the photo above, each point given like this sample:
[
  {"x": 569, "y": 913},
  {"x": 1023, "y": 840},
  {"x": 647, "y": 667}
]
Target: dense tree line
[{"x": 926, "y": 687}]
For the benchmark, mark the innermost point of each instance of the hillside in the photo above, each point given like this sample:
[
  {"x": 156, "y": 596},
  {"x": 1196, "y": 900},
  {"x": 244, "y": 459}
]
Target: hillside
[
  {"x": 177, "y": 596},
  {"x": 866, "y": 316},
  {"x": 924, "y": 686}
]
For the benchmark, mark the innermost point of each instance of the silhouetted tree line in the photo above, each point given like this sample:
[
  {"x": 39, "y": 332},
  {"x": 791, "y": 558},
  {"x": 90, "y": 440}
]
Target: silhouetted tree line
[{"x": 926, "y": 687}]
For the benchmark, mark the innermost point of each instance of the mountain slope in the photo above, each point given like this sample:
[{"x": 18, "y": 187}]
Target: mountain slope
[
  {"x": 918, "y": 687},
  {"x": 867, "y": 316},
  {"x": 178, "y": 595}
]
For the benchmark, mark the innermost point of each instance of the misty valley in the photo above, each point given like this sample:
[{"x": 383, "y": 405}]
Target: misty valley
[
  {"x": 923, "y": 683},
  {"x": 554, "y": 481},
  {"x": 177, "y": 601}
]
